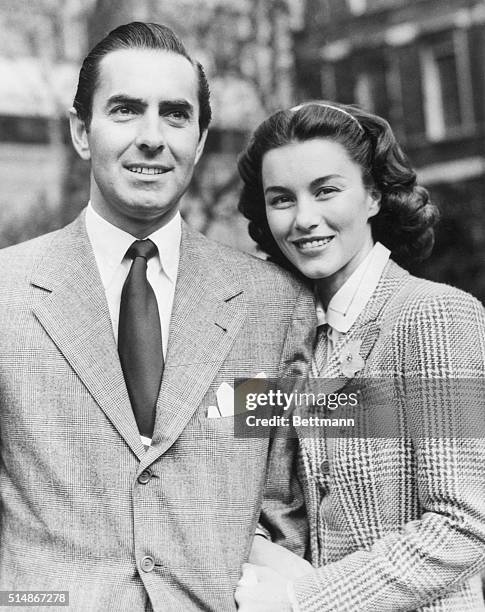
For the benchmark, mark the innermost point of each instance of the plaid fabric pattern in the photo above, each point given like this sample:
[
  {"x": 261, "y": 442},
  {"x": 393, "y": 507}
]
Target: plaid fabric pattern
[
  {"x": 74, "y": 515},
  {"x": 399, "y": 523}
]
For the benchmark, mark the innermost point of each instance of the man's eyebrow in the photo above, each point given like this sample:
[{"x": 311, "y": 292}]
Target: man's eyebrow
[
  {"x": 176, "y": 103},
  {"x": 124, "y": 99},
  {"x": 181, "y": 104}
]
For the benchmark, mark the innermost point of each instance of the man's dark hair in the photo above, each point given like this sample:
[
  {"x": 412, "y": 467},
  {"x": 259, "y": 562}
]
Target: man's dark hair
[{"x": 135, "y": 35}]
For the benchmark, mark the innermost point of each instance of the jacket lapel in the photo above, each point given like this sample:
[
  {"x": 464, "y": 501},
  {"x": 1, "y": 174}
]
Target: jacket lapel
[
  {"x": 207, "y": 314},
  {"x": 365, "y": 330},
  {"x": 72, "y": 309}
]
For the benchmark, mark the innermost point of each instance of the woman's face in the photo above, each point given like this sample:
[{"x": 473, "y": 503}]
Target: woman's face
[{"x": 318, "y": 209}]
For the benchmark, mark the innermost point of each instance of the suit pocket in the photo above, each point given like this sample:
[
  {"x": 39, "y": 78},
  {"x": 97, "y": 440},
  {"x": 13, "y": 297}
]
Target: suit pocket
[{"x": 223, "y": 424}]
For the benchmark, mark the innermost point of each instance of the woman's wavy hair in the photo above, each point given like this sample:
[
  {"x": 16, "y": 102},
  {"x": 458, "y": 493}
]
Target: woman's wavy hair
[{"x": 406, "y": 220}]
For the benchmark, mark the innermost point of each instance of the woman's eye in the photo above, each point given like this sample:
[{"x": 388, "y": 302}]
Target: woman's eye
[
  {"x": 281, "y": 201},
  {"x": 325, "y": 191}
]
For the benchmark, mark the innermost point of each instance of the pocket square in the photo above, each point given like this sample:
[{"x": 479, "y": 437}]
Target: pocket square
[
  {"x": 225, "y": 400},
  {"x": 213, "y": 412}
]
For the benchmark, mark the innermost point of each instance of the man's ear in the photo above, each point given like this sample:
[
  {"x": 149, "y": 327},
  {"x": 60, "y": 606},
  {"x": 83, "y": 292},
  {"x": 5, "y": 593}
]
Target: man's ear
[
  {"x": 79, "y": 135},
  {"x": 200, "y": 145}
]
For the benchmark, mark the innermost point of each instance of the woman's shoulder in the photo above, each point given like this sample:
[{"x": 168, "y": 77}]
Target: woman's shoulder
[
  {"x": 421, "y": 297},
  {"x": 435, "y": 323},
  {"x": 436, "y": 329}
]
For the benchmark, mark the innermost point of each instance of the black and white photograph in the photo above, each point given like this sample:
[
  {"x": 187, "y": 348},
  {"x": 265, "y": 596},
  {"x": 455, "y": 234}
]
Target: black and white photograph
[{"x": 242, "y": 270}]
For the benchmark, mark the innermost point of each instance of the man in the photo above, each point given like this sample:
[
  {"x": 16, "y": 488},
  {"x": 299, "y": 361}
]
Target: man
[{"x": 117, "y": 482}]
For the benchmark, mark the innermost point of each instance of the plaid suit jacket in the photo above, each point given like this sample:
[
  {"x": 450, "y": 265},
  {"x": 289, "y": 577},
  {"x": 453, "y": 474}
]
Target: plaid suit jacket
[
  {"x": 398, "y": 523},
  {"x": 74, "y": 514}
]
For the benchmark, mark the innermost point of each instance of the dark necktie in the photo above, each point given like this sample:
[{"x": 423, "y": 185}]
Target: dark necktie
[{"x": 140, "y": 337}]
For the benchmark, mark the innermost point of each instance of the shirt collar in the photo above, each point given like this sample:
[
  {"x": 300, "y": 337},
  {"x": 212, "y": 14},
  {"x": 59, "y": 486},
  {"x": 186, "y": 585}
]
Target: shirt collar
[
  {"x": 351, "y": 299},
  {"x": 110, "y": 244}
]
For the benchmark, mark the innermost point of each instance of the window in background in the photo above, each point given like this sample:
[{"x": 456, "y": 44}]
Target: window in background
[
  {"x": 446, "y": 86},
  {"x": 357, "y": 7},
  {"x": 364, "y": 91},
  {"x": 370, "y": 69}
]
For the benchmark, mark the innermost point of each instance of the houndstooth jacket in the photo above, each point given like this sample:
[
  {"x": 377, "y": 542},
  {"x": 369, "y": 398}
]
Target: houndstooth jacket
[{"x": 398, "y": 523}]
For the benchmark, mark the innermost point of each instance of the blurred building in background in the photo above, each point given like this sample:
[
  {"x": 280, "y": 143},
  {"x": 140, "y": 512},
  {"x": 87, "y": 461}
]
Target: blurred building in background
[
  {"x": 420, "y": 64},
  {"x": 40, "y": 47}
]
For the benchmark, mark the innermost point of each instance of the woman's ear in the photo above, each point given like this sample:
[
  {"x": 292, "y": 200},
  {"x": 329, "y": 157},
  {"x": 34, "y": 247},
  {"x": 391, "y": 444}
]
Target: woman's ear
[
  {"x": 374, "y": 202},
  {"x": 79, "y": 135}
]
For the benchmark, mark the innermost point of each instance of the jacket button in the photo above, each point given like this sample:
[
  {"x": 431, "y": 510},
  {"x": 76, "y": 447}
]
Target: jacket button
[
  {"x": 325, "y": 468},
  {"x": 144, "y": 477},
  {"x": 147, "y": 564}
]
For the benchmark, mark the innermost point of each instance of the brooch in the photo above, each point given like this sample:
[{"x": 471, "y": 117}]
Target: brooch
[{"x": 351, "y": 360}]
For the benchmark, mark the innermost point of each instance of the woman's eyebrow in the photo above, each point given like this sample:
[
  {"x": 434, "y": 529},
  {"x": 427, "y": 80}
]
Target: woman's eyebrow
[
  {"x": 313, "y": 184},
  {"x": 324, "y": 179},
  {"x": 276, "y": 188}
]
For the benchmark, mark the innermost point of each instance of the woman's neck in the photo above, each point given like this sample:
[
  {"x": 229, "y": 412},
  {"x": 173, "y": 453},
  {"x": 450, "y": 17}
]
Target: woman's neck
[{"x": 327, "y": 287}]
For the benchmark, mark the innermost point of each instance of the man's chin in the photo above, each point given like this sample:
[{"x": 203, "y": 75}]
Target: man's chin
[
  {"x": 150, "y": 209},
  {"x": 145, "y": 218}
]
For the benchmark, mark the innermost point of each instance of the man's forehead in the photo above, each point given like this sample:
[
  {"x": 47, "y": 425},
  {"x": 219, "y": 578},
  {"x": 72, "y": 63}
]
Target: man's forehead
[{"x": 146, "y": 73}]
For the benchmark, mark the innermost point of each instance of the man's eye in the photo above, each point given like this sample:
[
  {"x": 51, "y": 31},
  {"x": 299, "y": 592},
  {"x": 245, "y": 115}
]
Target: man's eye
[
  {"x": 123, "y": 111},
  {"x": 178, "y": 116}
]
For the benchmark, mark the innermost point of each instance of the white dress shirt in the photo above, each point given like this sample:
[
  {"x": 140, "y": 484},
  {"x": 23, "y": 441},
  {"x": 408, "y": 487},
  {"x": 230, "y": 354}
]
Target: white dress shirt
[
  {"x": 352, "y": 297},
  {"x": 110, "y": 244}
]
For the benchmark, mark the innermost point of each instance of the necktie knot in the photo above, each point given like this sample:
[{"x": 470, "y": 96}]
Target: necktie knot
[{"x": 142, "y": 248}]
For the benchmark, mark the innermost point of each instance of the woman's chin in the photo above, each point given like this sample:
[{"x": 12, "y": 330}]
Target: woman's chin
[
  {"x": 312, "y": 266},
  {"x": 312, "y": 272}
]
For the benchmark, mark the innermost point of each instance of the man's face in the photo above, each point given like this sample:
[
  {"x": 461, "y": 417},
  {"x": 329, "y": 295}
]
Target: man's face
[{"x": 143, "y": 140}]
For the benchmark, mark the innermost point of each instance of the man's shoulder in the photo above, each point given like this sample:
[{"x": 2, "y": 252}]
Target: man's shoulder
[
  {"x": 249, "y": 269},
  {"x": 18, "y": 261},
  {"x": 24, "y": 255},
  {"x": 29, "y": 246}
]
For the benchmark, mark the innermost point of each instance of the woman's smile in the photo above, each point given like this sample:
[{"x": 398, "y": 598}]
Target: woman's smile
[{"x": 312, "y": 245}]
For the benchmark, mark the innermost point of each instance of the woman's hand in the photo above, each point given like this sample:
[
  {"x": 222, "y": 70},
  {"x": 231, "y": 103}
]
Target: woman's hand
[
  {"x": 261, "y": 589},
  {"x": 287, "y": 564}
]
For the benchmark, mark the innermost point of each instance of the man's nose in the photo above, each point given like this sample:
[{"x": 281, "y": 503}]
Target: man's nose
[
  {"x": 307, "y": 215},
  {"x": 150, "y": 137}
]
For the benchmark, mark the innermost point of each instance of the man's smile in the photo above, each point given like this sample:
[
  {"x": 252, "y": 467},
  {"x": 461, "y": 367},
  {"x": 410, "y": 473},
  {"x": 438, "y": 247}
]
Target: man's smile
[{"x": 149, "y": 169}]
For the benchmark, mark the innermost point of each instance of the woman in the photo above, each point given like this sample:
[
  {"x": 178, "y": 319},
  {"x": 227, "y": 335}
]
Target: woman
[{"x": 397, "y": 522}]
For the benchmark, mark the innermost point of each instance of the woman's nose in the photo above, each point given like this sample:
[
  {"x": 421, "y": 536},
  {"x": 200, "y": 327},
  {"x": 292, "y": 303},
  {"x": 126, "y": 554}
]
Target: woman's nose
[{"x": 307, "y": 214}]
